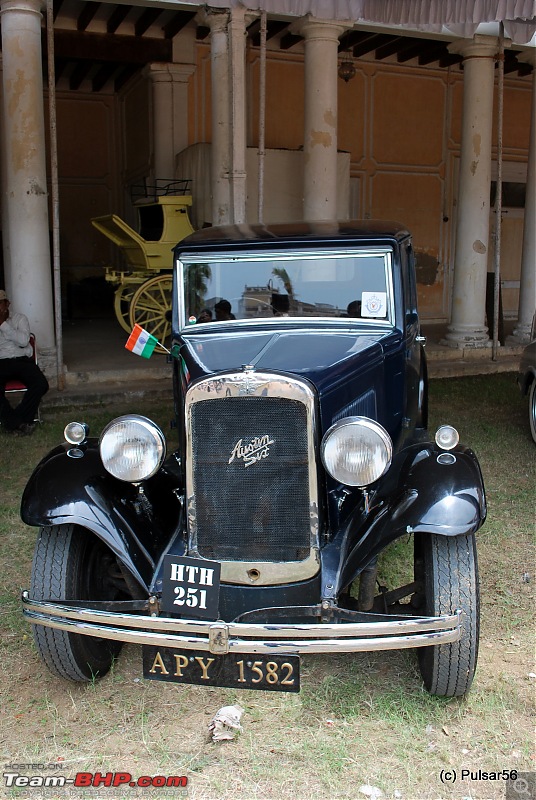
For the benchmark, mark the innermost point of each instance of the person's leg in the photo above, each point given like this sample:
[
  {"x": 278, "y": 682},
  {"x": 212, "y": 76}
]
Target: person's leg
[
  {"x": 9, "y": 419},
  {"x": 27, "y": 371},
  {"x": 37, "y": 385},
  {"x": 8, "y": 416}
]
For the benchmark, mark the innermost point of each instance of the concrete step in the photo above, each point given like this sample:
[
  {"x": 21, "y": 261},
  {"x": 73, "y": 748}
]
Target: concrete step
[
  {"x": 102, "y": 393},
  {"x": 456, "y": 368},
  {"x": 100, "y": 387},
  {"x": 90, "y": 377},
  {"x": 444, "y": 362}
]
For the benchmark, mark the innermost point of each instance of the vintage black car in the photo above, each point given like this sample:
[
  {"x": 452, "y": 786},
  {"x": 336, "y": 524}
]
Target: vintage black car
[{"x": 300, "y": 391}]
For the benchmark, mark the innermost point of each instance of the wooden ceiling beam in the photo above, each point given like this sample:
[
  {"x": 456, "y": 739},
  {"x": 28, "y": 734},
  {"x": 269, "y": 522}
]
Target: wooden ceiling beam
[
  {"x": 86, "y": 15},
  {"x": 177, "y": 23},
  {"x": 125, "y": 75},
  {"x": 430, "y": 54},
  {"x": 510, "y": 66},
  {"x": 60, "y": 65},
  {"x": 413, "y": 49},
  {"x": 449, "y": 59},
  {"x": 524, "y": 68},
  {"x": 79, "y": 74},
  {"x": 117, "y": 16},
  {"x": 102, "y": 76},
  {"x": 56, "y": 8},
  {"x": 273, "y": 27},
  {"x": 351, "y": 38},
  {"x": 288, "y": 40},
  {"x": 253, "y": 29},
  {"x": 147, "y": 18},
  {"x": 389, "y": 48},
  {"x": 110, "y": 47},
  {"x": 370, "y": 43}
]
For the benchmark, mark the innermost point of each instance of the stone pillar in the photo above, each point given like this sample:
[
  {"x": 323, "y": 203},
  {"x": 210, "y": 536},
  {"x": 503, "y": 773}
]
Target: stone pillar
[
  {"x": 169, "y": 83},
  {"x": 3, "y": 194},
  {"x": 237, "y": 66},
  {"x": 320, "y": 133},
  {"x": 527, "y": 289},
  {"x": 221, "y": 108},
  {"x": 26, "y": 179},
  {"x": 468, "y": 317}
]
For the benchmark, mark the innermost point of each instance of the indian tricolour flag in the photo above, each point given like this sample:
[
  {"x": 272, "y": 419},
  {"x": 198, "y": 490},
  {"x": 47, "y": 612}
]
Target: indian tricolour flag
[{"x": 141, "y": 342}]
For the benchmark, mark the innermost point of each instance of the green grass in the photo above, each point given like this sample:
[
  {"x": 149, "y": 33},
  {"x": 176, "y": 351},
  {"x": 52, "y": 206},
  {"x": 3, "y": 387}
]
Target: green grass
[{"x": 360, "y": 718}]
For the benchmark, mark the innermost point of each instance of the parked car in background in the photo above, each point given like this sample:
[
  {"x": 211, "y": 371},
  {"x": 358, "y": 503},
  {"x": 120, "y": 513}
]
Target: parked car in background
[
  {"x": 300, "y": 392},
  {"x": 526, "y": 377}
]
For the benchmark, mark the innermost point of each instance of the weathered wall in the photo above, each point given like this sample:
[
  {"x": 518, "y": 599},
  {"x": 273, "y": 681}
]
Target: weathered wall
[
  {"x": 402, "y": 127},
  {"x": 283, "y": 184},
  {"x": 88, "y": 167}
]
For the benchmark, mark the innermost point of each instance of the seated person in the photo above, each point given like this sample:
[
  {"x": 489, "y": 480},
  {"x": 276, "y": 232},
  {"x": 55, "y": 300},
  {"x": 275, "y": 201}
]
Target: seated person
[
  {"x": 223, "y": 311},
  {"x": 354, "y": 308},
  {"x": 204, "y": 316},
  {"x": 16, "y": 362},
  {"x": 280, "y": 304}
]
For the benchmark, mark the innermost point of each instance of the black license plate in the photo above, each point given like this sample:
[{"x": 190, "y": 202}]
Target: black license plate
[
  {"x": 272, "y": 673},
  {"x": 191, "y": 587}
]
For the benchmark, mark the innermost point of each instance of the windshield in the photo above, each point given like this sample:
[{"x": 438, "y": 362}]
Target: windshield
[{"x": 299, "y": 285}]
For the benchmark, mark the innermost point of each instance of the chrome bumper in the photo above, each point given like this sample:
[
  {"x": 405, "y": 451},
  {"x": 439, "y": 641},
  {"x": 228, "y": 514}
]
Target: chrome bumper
[{"x": 240, "y": 637}]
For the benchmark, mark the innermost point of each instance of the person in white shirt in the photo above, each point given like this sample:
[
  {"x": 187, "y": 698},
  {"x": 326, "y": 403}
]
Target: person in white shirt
[{"x": 16, "y": 362}]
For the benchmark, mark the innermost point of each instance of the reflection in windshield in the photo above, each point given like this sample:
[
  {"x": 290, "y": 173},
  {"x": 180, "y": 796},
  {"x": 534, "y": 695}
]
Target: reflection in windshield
[{"x": 350, "y": 286}]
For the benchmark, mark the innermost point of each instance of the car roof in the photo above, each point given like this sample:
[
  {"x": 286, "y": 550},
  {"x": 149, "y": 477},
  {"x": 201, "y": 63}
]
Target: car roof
[{"x": 305, "y": 234}]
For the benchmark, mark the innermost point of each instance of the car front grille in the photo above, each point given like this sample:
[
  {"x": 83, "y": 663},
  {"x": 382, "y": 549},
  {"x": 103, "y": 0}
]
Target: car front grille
[
  {"x": 251, "y": 476},
  {"x": 250, "y": 492}
]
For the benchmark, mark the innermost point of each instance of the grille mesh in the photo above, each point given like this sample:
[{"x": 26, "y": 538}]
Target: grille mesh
[{"x": 258, "y": 512}]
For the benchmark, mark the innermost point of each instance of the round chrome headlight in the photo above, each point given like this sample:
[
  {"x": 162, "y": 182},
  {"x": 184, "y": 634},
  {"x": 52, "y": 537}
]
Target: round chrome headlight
[
  {"x": 357, "y": 451},
  {"x": 132, "y": 448}
]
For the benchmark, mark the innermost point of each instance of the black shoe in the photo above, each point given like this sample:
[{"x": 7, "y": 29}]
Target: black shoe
[{"x": 26, "y": 429}]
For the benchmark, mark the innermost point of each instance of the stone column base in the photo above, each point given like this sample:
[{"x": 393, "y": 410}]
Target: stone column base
[
  {"x": 463, "y": 337},
  {"x": 518, "y": 338},
  {"x": 48, "y": 362}
]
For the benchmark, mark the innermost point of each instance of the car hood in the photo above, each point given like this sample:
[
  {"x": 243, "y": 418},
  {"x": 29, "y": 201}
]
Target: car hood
[{"x": 347, "y": 368}]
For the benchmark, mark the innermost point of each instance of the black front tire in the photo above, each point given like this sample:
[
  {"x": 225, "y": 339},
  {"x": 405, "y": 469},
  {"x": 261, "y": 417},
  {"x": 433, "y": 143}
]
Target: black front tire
[
  {"x": 70, "y": 563},
  {"x": 447, "y": 567}
]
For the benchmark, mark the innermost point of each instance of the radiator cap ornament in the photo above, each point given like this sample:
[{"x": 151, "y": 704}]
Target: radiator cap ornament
[{"x": 245, "y": 387}]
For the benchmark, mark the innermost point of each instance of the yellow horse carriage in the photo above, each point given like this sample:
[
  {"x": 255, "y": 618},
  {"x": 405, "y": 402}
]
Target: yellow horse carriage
[{"x": 143, "y": 293}]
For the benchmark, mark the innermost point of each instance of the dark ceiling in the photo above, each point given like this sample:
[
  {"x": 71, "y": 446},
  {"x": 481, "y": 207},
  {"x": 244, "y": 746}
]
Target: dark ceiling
[{"x": 136, "y": 36}]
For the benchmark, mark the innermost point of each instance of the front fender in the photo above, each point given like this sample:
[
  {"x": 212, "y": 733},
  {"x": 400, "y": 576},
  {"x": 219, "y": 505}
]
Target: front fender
[
  {"x": 63, "y": 490},
  {"x": 419, "y": 495},
  {"x": 448, "y": 492}
]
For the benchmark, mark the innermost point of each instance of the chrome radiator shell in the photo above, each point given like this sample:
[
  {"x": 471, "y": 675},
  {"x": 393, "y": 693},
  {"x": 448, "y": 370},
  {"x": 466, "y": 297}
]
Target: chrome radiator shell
[{"x": 251, "y": 477}]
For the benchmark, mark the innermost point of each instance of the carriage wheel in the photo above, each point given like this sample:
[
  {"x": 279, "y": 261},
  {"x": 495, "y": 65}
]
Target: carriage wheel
[
  {"x": 122, "y": 300},
  {"x": 151, "y": 308}
]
